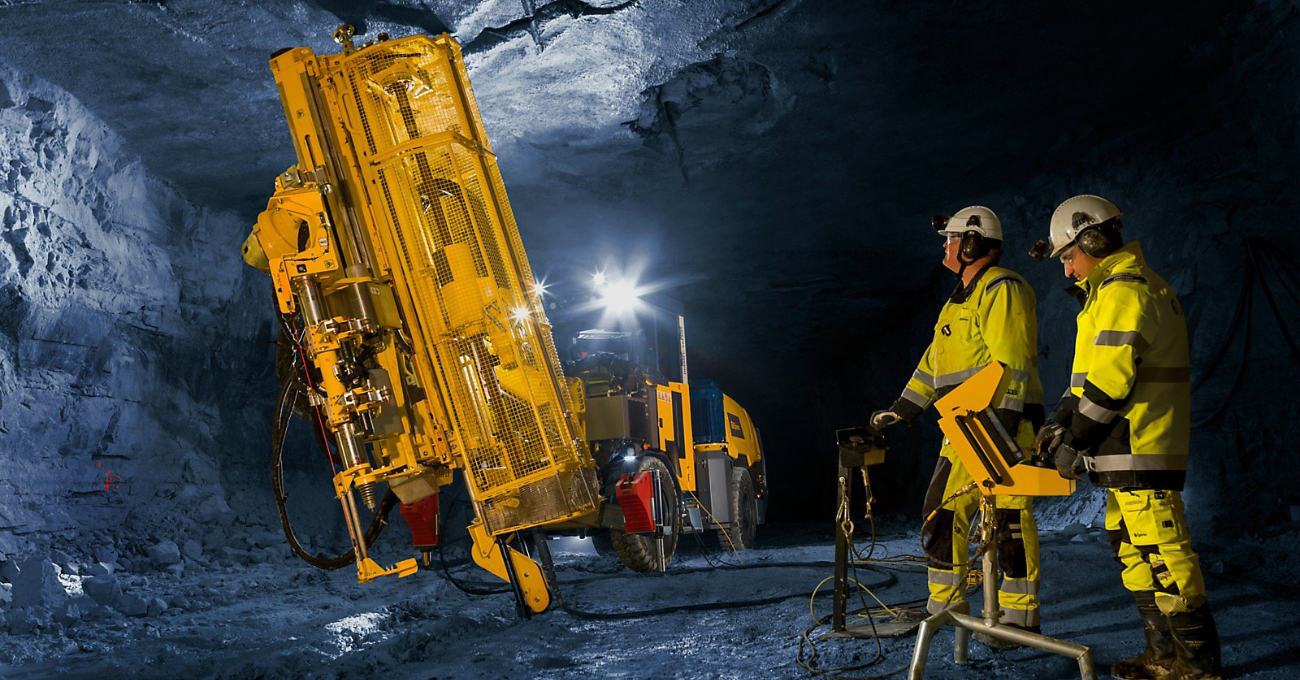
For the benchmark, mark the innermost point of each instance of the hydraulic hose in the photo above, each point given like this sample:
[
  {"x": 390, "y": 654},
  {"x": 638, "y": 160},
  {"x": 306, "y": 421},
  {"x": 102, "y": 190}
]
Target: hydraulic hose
[
  {"x": 943, "y": 562},
  {"x": 284, "y": 408}
]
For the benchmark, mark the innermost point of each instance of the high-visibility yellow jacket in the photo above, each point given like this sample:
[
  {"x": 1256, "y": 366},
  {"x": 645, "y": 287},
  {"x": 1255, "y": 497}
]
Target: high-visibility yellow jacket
[
  {"x": 1129, "y": 388},
  {"x": 991, "y": 319}
]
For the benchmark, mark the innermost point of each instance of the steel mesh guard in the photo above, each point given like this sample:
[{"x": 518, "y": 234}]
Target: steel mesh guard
[{"x": 426, "y": 158}]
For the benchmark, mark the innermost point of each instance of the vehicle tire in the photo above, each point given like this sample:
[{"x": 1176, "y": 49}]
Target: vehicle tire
[
  {"x": 603, "y": 542},
  {"x": 744, "y": 510},
  {"x": 640, "y": 552}
]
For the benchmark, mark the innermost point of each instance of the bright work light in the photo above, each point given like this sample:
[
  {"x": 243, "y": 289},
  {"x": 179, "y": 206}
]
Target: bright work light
[{"x": 619, "y": 297}]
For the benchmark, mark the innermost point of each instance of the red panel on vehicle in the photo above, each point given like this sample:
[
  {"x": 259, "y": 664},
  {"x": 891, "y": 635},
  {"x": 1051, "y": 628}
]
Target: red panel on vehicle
[
  {"x": 636, "y": 496},
  {"x": 422, "y": 517}
]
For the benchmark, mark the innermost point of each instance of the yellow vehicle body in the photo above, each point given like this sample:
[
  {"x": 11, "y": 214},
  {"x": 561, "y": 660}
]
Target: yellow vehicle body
[
  {"x": 675, "y": 431},
  {"x": 742, "y": 438},
  {"x": 393, "y": 241}
]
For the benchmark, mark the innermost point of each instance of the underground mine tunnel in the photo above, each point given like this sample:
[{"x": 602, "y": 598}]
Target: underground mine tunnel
[{"x": 566, "y": 339}]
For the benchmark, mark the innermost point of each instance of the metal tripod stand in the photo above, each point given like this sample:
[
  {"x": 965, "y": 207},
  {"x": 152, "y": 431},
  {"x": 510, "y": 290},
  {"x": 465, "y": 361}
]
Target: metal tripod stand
[{"x": 964, "y": 624}]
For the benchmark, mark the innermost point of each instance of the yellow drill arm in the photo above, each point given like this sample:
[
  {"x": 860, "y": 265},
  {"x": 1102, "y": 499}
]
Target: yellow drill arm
[{"x": 395, "y": 255}]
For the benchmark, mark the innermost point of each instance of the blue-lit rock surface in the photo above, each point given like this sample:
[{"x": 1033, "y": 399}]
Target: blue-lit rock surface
[{"x": 128, "y": 346}]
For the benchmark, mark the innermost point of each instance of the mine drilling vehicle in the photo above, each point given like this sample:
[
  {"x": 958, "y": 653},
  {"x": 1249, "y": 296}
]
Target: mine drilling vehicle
[{"x": 414, "y": 339}]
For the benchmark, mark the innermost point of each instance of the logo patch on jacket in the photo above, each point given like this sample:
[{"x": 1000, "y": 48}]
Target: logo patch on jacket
[{"x": 946, "y": 330}]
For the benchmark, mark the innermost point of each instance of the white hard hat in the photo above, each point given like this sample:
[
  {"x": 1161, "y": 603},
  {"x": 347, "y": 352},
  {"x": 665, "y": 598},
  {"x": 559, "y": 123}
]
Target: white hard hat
[
  {"x": 975, "y": 218},
  {"x": 1077, "y": 214}
]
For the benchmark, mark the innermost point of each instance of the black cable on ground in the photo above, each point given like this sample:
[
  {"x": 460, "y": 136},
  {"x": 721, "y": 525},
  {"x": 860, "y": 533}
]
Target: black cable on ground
[
  {"x": 809, "y": 663},
  {"x": 476, "y": 589},
  {"x": 707, "y": 606},
  {"x": 461, "y": 586},
  {"x": 806, "y": 655},
  {"x": 679, "y": 571}
]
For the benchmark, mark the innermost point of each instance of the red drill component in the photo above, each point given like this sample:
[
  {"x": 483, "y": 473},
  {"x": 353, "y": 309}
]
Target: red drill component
[
  {"x": 422, "y": 517},
  {"x": 636, "y": 495}
]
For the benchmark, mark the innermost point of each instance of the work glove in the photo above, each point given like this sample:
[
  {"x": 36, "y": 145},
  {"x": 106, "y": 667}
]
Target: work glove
[
  {"x": 1069, "y": 462},
  {"x": 883, "y": 419},
  {"x": 1049, "y": 439}
]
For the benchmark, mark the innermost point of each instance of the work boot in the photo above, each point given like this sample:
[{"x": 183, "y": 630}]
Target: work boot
[
  {"x": 1003, "y": 645},
  {"x": 1197, "y": 641},
  {"x": 1155, "y": 662}
]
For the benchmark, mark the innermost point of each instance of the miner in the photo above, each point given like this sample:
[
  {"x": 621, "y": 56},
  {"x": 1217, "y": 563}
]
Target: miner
[
  {"x": 989, "y": 317},
  {"x": 1126, "y": 422}
]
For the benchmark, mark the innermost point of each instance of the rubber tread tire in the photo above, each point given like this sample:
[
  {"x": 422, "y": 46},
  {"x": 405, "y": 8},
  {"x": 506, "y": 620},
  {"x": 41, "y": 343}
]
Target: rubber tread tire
[
  {"x": 744, "y": 505},
  {"x": 603, "y": 543},
  {"x": 639, "y": 552}
]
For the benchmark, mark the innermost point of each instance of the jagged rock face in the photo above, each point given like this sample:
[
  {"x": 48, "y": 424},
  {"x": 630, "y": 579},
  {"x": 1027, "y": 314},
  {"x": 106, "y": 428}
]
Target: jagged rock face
[
  {"x": 127, "y": 347},
  {"x": 773, "y": 162}
]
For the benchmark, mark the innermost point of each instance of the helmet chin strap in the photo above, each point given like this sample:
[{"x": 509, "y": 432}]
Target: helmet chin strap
[
  {"x": 964, "y": 264},
  {"x": 960, "y": 291}
]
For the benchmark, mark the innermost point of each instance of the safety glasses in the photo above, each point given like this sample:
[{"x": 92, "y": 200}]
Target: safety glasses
[{"x": 1067, "y": 255}]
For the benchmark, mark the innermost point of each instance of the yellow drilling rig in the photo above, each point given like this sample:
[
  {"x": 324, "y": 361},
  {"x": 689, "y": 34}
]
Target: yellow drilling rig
[{"x": 414, "y": 338}]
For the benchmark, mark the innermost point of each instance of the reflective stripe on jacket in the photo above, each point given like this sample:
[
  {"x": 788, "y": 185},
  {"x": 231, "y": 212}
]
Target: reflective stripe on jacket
[
  {"x": 992, "y": 319},
  {"x": 1130, "y": 382}
]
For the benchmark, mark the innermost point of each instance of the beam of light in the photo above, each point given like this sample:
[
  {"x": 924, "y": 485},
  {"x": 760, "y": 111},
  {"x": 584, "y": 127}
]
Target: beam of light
[
  {"x": 598, "y": 279},
  {"x": 520, "y": 314},
  {"x": 620, "y": 297},
  {"x": 539, "y": 289}
]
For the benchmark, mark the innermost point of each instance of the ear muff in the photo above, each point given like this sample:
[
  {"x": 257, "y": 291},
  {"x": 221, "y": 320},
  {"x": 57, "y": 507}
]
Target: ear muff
[
  {"x": 973, "y": 245},
  {"x": 1094, "y": 242}
]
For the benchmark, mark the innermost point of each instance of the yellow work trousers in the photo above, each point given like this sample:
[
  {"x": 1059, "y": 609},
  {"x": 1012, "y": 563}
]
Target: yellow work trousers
[
  {"x": 1151, "y": 541},
  {"x": 946, "y": 540}
]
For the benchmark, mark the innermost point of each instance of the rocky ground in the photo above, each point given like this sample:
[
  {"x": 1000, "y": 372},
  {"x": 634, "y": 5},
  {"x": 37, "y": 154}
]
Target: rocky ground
[{"x": 252, "y": 611}]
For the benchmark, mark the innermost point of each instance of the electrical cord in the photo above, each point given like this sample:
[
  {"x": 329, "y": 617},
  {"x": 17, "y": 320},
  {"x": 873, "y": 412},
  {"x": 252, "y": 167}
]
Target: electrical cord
[
  {"x": 475, "y": 589},
  {"x": 934, "y": 513},
  {"x": 724, "y": 532},
  {"x": 809, "y": 662},
  {"x": 709, "y": 557},
  {"x": 806, "y": 654},
  {"x": 461, "y": 586},
  {"x": 705, "y": 606}
]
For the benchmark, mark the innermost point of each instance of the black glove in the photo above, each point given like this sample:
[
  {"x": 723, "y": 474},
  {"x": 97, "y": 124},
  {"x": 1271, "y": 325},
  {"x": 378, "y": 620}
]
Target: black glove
[
  {"x": 883, "y": 419},
  {"x": 1049, "y": 439},
  {"x": 1069, "y": 463}
]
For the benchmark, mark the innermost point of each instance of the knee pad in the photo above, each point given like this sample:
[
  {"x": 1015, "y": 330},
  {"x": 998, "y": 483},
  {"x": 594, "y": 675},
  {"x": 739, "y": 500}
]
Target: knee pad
[{"x": 938, "y": 537}]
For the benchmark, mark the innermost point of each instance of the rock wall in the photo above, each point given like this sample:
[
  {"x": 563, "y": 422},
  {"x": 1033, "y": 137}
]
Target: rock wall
[
  {"x": 132, "y": 347},
  {"x": 772, "y": 163}
]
